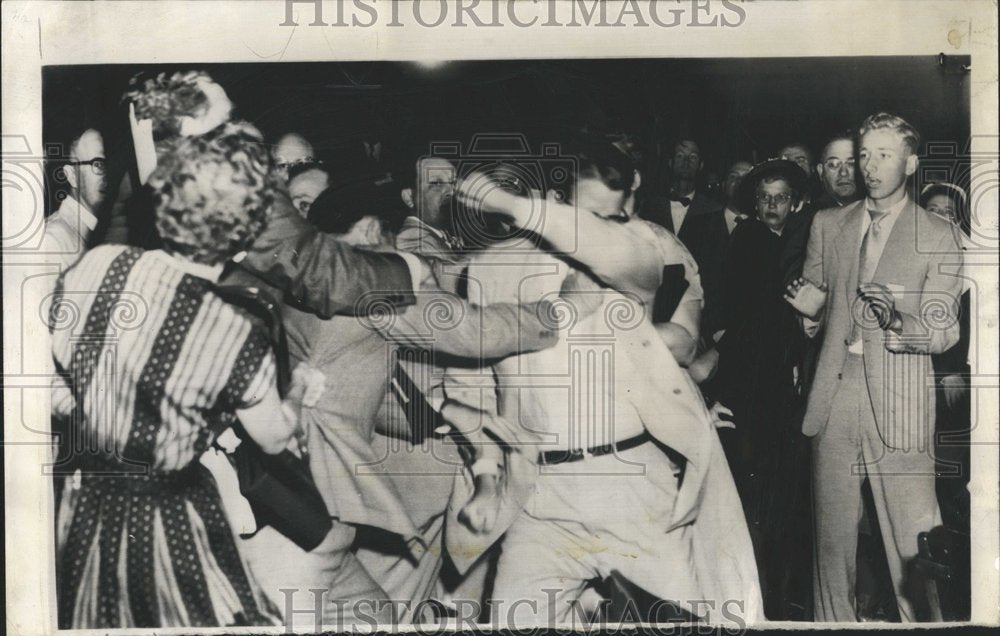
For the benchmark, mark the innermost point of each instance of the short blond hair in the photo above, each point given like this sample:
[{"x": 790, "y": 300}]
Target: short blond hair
[{"x": 887, "y": 121}]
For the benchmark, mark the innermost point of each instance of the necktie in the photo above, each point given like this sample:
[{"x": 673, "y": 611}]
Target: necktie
[
  {"x": 685, "y": 201},
  {"x": 871, "y": 249}
]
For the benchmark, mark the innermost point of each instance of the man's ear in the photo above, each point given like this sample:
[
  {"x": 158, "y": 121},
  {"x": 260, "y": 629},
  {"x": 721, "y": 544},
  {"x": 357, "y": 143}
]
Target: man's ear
[
  {"x": 911, "y": 164},
  {"x": 819, "y": 169},
  {"x": 406, "y": 194},
  {"x": 636, "y": 180},
  {"x": 71, "y": 176}
]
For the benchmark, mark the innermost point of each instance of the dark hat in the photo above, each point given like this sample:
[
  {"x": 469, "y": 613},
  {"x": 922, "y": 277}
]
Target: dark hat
[{"x": 783, "y": 169}]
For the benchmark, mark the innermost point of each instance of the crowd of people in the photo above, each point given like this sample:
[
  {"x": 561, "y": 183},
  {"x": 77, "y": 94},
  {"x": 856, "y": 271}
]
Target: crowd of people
[{"x": 390, "y": 392}]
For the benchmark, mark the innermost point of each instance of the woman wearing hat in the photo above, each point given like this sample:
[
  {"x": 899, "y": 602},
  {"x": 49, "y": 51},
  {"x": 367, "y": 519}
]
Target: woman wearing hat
[
  {"x": 949, "y": 201},
  {"x": 759, "y": 379}
]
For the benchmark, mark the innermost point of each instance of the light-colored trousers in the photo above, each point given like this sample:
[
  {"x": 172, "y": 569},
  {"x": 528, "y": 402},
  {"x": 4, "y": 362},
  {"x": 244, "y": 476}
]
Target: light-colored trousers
[
  {"x": 584, "y": 520},
  {"x": 902, "y": 483}
]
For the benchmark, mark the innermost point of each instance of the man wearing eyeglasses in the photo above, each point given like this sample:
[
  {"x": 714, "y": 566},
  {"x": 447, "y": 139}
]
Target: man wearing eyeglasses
[
  {"x": 836, "y": 173},
  {"x": 68, "y": 228}
]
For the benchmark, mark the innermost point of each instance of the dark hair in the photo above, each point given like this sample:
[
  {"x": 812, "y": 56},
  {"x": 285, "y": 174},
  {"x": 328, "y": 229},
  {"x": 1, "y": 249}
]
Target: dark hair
[
  {"x": 842, "y": 135},
  {"x": 338, "y": 208},
  {"x": 598, "y": 158},
  {"x": 211, "y": 192},
  {"x": 956, "y": 195},
  {"x": 296, "y": 169},
  {"x": 796, "y": 143}
]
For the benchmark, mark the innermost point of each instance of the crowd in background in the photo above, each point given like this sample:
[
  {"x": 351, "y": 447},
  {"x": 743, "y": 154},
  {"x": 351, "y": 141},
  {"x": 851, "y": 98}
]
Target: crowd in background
[{"x": 793, "y": 378}]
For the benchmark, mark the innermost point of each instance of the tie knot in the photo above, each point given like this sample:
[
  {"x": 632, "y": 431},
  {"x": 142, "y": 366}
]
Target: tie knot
[{"x": 877, "y": 216}]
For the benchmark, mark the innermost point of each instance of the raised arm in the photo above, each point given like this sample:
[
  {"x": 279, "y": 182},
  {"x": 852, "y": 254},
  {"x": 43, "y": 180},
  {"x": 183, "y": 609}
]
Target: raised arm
[
  {"x": 455, "y": 327},
  {"x": 324, "y": 274},
  {"x": 624, "y": 256}
]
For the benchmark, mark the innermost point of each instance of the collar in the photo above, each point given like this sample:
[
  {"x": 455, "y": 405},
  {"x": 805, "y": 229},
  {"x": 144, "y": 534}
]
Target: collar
[
  {"x": 423, "y": 225},
  {"x": 208, "y": 272},
  {"x": 72, "y": 209},
  {"x": 893, "y": 211}
]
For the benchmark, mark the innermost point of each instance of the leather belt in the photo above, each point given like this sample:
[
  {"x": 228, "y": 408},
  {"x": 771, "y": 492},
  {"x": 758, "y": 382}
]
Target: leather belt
[{"x": 562, "y": 456}]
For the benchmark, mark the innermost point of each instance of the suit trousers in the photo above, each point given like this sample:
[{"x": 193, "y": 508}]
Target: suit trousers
[
  {"x": 903, "y": 488},
  {"x": 584, "y": 520}
]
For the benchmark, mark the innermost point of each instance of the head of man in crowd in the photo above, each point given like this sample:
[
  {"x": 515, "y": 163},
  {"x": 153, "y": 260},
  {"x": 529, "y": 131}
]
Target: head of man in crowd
[
  {"x": 798, "y": 153},
  {"x": 772, "y": 191},
  {"x": 292, "y": 149},
  {"x": 430, "y": 195},
  {"x": 356, "y": 214},
  {"x": 887, "y": 156},
  {"x": 86, "y": 170},
  {"x": 606, "y": 178},
  {"x": 685, "y": 164},
  {"x": 731, "y": 182},
  {"x": 305, "y": 183},
  {"x": 836, "y": 168},
  {"x": 947, "y": 201}
]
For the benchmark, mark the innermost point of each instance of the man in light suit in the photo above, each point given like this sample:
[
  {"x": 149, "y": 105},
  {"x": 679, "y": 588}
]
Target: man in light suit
[
  {"x": 880, "y": 278},
  {"x": 591, "y": 491}
]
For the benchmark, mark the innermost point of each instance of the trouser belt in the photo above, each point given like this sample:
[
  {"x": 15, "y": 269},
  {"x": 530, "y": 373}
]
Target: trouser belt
[{"x": 563, "y": 456}]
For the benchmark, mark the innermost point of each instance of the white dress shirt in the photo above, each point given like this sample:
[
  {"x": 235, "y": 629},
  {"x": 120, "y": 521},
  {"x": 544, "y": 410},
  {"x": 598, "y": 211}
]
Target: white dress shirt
[
  {"x": 678, "y": 211},
  {"x": 886, "y": 225}
]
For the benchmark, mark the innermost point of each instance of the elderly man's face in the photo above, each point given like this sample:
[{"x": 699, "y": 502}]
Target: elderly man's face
[
  {"x": 731, "y": 184},
  {"x": 836, "y": 169},
  {"x": 686, "y": 160},
  {"x": 800, "y": 155},
  {"x": 305, "y": 187},
  {"x": 290, "y": 150},
  {"x": 774, "y": 203},
  {"x": 87, "y": 176},
  {"x": 435, "y": 189}
]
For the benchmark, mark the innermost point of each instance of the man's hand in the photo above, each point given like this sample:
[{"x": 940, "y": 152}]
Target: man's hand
[
  {"x": 807, "y": 298},
  {"x": 722, "y": 417},
  {"x": 954, "y": 389},
  {"x": 881, "y": 303},
  {"x": 704, "y": 366},
  {"x": 480, "y": 513}
]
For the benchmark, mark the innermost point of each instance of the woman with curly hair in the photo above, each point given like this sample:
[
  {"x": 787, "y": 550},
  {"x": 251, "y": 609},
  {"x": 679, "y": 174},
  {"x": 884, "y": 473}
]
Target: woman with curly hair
[{"x": 155, "y": 365}]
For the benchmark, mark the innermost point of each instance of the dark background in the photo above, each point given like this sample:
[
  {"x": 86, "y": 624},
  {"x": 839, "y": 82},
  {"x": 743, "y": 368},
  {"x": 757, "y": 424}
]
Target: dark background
[{"x": 736, "y": 108}]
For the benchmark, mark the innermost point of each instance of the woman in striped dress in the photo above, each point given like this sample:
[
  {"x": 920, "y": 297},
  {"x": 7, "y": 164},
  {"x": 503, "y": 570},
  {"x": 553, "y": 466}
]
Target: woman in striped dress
[{"x": 155, "y": 366}]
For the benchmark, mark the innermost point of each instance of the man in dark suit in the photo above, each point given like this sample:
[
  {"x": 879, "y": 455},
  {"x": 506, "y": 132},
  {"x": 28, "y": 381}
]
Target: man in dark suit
[
  {"x": 708, "y": 238},
  {"x": 879, "y": 277},
  {"x": 673, "y": 209},
  {"x": 836, "y": 173}
]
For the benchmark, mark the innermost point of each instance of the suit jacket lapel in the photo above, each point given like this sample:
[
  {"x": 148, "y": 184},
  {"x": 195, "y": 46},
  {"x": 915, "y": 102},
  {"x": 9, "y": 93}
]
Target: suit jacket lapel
[
  {"x": 903, "y": 234},
  {"x": 847, "y": 245}
]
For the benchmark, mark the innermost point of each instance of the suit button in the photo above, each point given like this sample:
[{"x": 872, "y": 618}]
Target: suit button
[
  {"x": 840, "y": 376},
  {"x": 846, "y": 343},
  {"x": 677, "y": 391}
]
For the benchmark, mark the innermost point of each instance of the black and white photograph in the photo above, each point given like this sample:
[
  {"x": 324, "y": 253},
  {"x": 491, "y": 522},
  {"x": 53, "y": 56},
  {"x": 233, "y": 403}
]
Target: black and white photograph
[{"x": 595, "y": 326}]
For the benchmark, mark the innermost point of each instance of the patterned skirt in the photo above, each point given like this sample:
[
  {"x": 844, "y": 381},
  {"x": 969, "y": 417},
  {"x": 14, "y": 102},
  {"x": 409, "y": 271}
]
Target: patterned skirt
[{"x": 154, "y": 551}]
